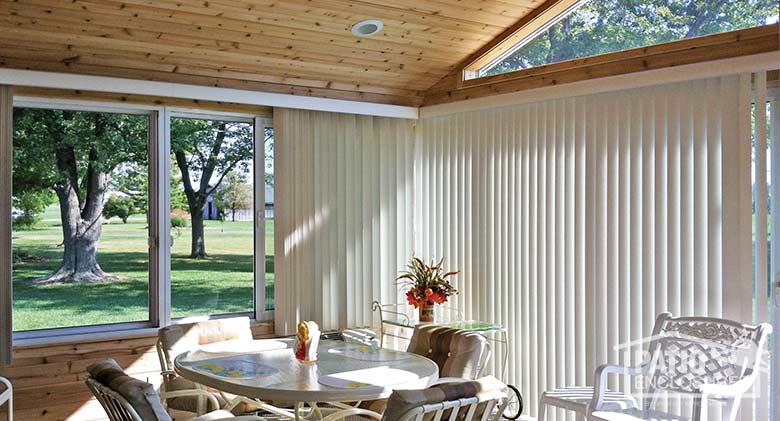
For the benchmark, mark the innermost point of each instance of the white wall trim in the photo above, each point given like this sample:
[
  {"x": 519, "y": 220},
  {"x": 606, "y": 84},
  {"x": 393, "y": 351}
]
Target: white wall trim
[
  {"x": 205, "y": 93},
  {"x": 745, "y": 64}
]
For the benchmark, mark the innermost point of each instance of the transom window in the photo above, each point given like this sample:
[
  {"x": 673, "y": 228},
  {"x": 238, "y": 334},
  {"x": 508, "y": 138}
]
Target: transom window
[{"x": 593, "y": 27}]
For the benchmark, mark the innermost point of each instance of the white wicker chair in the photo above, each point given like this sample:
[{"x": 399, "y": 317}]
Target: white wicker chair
[
  {"x": 706, "y": 358},
  {"x": 487, "y": 406},
  {"x": 7, "y": 397},
  {"x": 119, "y": 409}
]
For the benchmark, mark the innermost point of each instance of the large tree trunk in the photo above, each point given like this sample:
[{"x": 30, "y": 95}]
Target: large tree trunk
[
  {"x": 196, "y": 200},
  {"x": 198, "y": 250},
  {"x": 81, "y": 226}
]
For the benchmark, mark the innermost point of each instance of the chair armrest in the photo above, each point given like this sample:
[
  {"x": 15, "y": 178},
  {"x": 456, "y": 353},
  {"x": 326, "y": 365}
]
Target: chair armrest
[
  {"x": 343, "y": 414},
  {"x": 601, "y": 377},
  {"x": 444, "y": 380},
  {"x": 733, "y": 390},
  {"x": 164, "y": 395}
]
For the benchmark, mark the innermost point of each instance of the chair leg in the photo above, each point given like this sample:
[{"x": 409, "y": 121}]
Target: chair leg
[{"x": 542, "y": 409}]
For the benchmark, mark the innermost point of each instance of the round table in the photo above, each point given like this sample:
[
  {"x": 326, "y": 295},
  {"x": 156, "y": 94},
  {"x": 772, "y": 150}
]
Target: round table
[{"x": 267, "y": 370}]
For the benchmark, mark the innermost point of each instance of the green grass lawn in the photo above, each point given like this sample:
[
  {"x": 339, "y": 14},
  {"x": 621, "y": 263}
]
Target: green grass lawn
[{"x": 220, "y": 284}]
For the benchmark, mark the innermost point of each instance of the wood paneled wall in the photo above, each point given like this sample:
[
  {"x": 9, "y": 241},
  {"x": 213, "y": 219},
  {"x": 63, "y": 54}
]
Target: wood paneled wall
[{"x": 49, "y": 384}]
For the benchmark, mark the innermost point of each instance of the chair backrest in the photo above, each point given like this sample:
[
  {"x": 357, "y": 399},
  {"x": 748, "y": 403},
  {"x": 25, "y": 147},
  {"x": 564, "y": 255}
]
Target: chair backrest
[
  {"x": 687, "y": 352},
  {"x": 123, "y": 397},
  {"x": 174, "y": 339},
  {"x": 117, "y": 407},
  {"x": 458, "y": 353},
  {"x": 481, "y": 399}
]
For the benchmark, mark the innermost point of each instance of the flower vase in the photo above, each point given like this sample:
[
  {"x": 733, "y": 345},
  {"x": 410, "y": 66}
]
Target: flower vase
[{"x": 426, "y": 313}]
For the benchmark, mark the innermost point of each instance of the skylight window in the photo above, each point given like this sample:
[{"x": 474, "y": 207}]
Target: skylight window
[{"x": 593, "y": 27}]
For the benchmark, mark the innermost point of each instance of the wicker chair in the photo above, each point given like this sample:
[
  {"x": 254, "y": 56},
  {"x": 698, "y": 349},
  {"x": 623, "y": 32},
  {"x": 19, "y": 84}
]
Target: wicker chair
[
  {"x": 125, "y": 398},
  {"x": 484, "y": 399},
  {"x": 183, "y": 395},
  {"x": 459, "y": 354}
]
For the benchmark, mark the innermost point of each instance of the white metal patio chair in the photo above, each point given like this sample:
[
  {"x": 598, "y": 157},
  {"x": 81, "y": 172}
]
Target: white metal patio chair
[
  {"x": 135, "y": 400},
  {"x": 711, "y": 360},
  {"x": 7, "y": 396}
]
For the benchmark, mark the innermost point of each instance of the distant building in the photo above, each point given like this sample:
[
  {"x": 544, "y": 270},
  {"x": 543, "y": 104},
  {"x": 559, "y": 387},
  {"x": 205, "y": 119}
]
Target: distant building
[{"x": 211, "y": 211}]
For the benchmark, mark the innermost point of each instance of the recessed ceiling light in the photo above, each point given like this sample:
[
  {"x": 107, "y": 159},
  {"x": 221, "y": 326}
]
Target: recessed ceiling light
[{"x": 367, "y": 28}]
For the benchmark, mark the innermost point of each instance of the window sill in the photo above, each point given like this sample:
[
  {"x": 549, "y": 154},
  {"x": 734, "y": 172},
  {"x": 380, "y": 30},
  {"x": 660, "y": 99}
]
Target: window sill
[{"x": 90, "y": 334}]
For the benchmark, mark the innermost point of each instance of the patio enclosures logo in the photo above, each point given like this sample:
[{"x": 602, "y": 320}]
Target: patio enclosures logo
[{"x": 688, "y": 357}]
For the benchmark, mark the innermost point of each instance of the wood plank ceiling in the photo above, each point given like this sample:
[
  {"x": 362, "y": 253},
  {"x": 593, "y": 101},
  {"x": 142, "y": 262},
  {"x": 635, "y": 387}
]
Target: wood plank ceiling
[{"x": 302, "y": 47}]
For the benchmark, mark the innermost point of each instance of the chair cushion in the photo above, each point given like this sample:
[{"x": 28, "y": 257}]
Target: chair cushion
[
  {"x": 186, "y": 337},
  {"x": 141, "y": 395},
  {"x": 636, "y": 415},
  {"x": 402, "y": 401},
  {"x": 456, "y": 352}
]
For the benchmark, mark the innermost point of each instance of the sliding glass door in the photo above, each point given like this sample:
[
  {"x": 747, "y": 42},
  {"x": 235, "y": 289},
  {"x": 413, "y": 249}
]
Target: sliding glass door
[{"x": 212, "y": 216}]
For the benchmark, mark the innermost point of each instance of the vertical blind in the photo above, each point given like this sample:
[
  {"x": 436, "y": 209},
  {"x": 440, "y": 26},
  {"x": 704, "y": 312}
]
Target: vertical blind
[
  {"x": 343, "y": 215},
  {"x": 575, "y": 221}
]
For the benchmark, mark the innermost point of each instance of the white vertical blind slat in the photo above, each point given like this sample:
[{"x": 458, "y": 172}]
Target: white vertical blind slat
[
  {"x": 338, "y": 238},
  {"x": 590, "y": 216}
]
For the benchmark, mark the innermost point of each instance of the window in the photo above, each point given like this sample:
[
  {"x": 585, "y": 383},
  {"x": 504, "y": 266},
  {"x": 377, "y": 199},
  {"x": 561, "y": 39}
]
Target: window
[
  {"x": 80, "y": 228},
  {"x": 90, "y": 182},
  {"x": 268, "y": 221},
  {"x": 599, "y": 27}
]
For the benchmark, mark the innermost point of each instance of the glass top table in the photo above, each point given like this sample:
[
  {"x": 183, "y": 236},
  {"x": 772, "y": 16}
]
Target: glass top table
[{"x": 344, "y": 372}]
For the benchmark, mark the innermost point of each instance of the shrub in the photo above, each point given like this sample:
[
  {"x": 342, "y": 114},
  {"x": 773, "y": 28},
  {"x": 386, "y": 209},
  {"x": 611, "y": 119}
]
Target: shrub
[
  {"x": 178, "y": 221},
  {"x": 26, "y": 221},
  {"x": 121, "y": 207}
]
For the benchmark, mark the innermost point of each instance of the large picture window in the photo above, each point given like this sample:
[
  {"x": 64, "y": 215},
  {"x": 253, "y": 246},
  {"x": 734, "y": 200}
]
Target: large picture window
[
  {"x": 80, "y": 229},
  {"x": 93, "y": 248}
]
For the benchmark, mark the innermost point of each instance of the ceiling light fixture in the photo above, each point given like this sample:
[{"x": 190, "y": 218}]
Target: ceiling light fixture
[{"x": 367, "y": 28}]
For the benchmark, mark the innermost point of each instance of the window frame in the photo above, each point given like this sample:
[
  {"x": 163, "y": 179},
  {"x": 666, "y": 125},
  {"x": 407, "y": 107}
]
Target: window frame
[
  {"x": 159, "y": 144},
  {"x": 516, "y": 36}
]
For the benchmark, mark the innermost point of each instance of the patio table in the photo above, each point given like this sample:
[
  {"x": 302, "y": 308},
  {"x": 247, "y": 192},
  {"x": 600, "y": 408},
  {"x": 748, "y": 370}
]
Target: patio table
[{"x": 344, "y": 372}]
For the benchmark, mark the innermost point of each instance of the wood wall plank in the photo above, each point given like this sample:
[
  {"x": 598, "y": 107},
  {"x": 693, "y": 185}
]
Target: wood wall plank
[{"x": 49, "y": 379}]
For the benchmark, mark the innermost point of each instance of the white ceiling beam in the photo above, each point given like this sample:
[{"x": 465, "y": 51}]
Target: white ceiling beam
[{"x": 55, "y": 80}]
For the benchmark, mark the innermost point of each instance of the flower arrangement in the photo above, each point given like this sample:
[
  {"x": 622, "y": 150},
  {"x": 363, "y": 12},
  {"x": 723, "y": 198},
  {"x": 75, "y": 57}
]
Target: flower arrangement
[{"x": 428, "y": 286}]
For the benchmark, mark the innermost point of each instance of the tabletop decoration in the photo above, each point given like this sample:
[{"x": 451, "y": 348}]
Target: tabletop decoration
[
  {"x": 307, "y": 340},
  {"x": 235, "y": 368},
  {"x": 428, "y": 286}
]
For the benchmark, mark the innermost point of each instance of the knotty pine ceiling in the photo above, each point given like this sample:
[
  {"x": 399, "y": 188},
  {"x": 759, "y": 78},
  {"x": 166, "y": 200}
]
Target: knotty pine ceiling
[{"x": 302, "y": 47}]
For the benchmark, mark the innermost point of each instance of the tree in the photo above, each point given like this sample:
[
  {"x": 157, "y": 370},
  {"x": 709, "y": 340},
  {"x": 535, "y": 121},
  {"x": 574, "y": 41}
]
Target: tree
[
  {"x": 73, "y": 153},
  {"x": 120, "y": 207},
  {"x": 234, "y": 194},
  {"x": 31, "y": 203},
  {"x": 205, "y": 152},
  {"x": 604, "y": 26}
]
